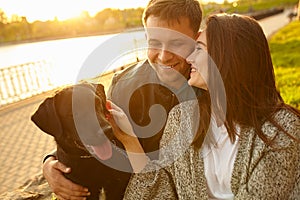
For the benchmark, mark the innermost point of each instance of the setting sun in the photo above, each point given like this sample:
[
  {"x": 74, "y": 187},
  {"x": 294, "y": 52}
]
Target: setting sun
[{"x": 62, "y": 9}]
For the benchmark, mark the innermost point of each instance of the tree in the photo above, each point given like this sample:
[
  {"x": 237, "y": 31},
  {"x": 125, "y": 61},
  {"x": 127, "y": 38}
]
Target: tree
[{"x": 3, "y": 17}]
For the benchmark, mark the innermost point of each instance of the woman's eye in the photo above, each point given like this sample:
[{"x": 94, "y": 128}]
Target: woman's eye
[{"x": 198, "y": 47}]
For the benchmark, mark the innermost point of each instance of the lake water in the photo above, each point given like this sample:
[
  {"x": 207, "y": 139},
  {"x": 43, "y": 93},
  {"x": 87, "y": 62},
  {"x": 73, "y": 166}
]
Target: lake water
[{"x": 69, "y": 56}]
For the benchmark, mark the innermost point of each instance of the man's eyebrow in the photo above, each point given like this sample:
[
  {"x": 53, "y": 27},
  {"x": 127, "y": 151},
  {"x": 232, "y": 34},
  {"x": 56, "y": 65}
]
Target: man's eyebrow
[
  {"x": 177, "y": 39},
  {"x": 200, "y": 42}
]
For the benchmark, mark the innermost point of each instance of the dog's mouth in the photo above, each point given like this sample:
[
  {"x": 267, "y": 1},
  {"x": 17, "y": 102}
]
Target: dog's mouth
[
  {"x": 98, "y": 144},
  {"x": 103, "y": 151}
]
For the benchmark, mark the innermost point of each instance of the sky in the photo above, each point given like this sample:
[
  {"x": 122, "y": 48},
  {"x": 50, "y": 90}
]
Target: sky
[{"x": 64, "y": 9}]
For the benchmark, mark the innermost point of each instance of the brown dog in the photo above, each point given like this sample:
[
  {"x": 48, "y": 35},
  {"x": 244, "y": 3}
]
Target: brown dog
[{"x": 76, "y": 117}]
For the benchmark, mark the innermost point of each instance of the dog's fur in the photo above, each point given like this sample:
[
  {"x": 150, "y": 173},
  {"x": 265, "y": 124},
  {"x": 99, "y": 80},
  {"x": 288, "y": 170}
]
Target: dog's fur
[{"x": 60, "y": 115}]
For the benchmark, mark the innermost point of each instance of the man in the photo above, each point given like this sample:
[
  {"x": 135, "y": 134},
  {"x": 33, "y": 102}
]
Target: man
[{"x": 163, "y": 74}]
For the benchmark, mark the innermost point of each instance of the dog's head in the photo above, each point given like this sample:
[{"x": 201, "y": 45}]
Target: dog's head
[{"x": 76, "y": 117}]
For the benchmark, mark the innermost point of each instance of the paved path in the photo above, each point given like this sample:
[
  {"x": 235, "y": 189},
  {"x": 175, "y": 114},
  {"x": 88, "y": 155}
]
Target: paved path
[
  {"x": 271, "y": 24},
  {"x": 23, "y": 145}
]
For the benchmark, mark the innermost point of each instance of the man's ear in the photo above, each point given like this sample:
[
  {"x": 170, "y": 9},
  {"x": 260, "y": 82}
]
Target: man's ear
[{"x": 46, "y": 118}]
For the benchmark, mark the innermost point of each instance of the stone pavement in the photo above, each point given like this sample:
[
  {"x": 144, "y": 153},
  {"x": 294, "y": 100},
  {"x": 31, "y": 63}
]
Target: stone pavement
[{"x": 23, "y": 145}]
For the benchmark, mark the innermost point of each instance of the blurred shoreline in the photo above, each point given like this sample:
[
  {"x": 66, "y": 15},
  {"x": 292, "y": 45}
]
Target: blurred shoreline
[{"x": 3, "y": 44}]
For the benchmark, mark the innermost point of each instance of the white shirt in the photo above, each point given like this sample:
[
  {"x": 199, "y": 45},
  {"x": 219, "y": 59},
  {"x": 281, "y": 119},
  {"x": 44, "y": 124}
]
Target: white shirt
[{"x": 219, "y": 155}]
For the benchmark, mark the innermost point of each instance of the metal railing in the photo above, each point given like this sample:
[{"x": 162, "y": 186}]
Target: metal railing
[{"x": 25, "y": 80}]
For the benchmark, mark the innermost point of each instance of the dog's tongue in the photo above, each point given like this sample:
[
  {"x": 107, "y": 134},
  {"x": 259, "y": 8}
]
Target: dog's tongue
[{"x": 103, "y": 151}]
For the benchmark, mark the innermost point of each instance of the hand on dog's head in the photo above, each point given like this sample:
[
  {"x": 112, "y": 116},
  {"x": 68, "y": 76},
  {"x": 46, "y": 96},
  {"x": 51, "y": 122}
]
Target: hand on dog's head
[{"x": 75, "y": 117}]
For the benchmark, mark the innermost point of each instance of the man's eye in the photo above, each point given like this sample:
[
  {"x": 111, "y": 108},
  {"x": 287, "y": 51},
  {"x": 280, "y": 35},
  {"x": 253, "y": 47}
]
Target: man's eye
[
  {"x": 177, "y": 44},
  {"x": 154, "y": 44}
]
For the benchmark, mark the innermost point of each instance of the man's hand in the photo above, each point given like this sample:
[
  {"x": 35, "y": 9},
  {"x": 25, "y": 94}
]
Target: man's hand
[{"x": 63, "y": 188}]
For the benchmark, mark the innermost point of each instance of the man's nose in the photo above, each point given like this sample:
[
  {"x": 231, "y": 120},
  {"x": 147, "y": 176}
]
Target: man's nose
[{"x": 165, "y": 55}]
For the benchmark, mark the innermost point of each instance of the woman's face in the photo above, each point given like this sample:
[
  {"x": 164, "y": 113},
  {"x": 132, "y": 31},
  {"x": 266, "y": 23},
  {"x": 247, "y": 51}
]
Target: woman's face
[{"x": 199, "y": 63}]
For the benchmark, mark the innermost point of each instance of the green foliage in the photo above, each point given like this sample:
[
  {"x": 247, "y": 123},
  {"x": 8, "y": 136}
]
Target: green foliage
[
  {"x": 285, "y": 48},
  {"x": 246, "y": 6},
  {"x": 106, "y": 21}
]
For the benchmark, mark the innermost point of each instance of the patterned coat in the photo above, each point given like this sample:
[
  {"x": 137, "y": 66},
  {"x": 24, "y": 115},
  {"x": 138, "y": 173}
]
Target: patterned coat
[{"x": 260, "y": 171}]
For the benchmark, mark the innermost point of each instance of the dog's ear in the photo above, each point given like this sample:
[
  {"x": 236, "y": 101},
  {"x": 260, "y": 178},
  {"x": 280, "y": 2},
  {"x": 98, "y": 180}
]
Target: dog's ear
[
  {"x": 46, "y": 118},
  {"x": 98, "y": 87},
  {"x": 100, "y": 90}
]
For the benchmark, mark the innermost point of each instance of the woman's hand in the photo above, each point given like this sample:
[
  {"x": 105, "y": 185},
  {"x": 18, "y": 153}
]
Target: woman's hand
[
  {"x": 120, "y": 124},
  {"x": 124, "y": 132}
]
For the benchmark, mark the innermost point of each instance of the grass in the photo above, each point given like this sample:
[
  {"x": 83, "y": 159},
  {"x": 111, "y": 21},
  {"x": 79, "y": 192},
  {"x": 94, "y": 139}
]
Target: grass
[{"x": 285, "y": 48}]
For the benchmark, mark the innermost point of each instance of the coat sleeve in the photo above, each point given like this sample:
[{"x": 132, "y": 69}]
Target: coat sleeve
[
  {"x": 274, "y": 177},
  {"x": 157, "y": 184},
  {"x": 159, "y": 179},
  {"x": 156, "y": 180}
]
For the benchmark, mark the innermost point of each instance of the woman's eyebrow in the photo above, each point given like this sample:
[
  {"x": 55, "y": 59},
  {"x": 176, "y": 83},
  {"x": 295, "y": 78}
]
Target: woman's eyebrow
[{"x": 200, "y": 42}]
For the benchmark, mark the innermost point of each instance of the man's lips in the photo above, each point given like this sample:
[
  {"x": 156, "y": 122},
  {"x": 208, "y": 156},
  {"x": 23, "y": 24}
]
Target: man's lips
[{"x": 166, "y": 66}]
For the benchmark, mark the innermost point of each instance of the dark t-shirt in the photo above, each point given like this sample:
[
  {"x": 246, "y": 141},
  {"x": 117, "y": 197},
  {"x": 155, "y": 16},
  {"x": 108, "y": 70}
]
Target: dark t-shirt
[{"x": 136, "y": 90}]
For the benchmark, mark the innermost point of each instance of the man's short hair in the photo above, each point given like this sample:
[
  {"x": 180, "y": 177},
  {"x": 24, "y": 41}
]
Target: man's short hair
[{"x": 171, "y": 10}]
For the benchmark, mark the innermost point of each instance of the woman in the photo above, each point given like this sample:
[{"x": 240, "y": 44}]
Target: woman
[{"x": 255, "y": 154}]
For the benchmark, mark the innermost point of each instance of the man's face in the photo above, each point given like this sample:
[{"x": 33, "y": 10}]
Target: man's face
[{"x": 170, "y": 42}]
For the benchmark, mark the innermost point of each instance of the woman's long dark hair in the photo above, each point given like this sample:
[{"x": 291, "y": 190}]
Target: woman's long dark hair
[
  {"x": 240, "y": 50},
  {"x": 204, "y": 103}
]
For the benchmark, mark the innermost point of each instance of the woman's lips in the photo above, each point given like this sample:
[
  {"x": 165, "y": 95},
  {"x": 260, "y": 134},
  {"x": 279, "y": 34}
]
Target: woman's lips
[{"x": 193, "y": 69}]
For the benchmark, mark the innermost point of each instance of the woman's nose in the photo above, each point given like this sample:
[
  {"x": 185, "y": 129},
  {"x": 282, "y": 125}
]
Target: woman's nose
[{"x": 190, "y": 59}]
